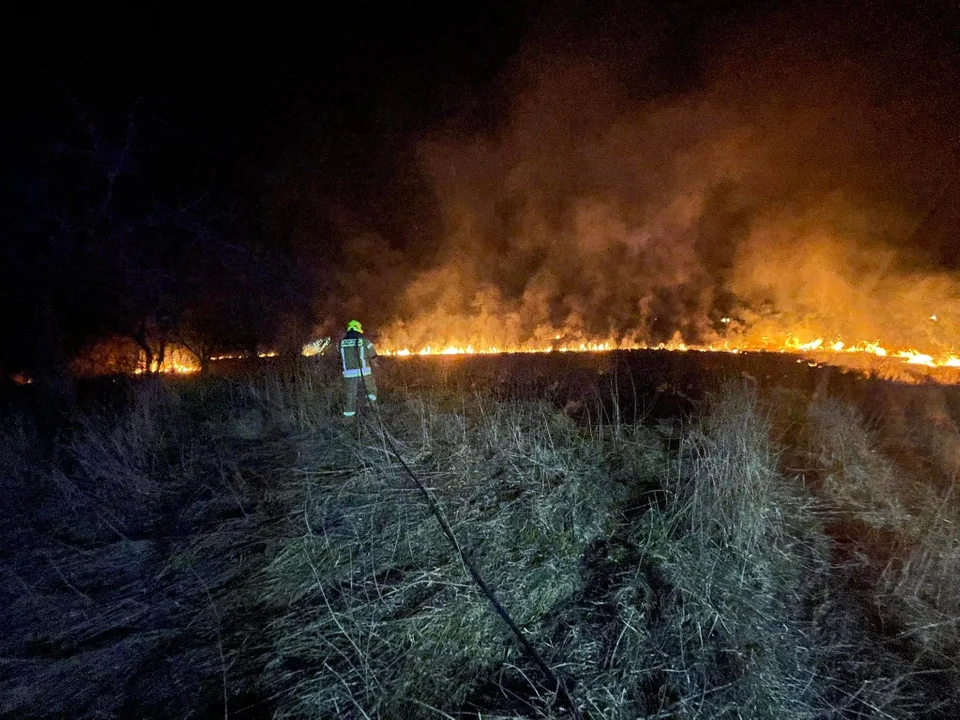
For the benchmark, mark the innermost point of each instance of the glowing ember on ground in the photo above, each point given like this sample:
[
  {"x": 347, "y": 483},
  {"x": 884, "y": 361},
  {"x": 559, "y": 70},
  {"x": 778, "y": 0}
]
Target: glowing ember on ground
[{"x": 819, "y": 347}]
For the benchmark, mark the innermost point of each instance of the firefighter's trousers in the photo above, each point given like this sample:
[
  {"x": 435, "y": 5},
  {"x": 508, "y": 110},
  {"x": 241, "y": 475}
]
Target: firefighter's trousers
[{"x": 355, "y": 385}]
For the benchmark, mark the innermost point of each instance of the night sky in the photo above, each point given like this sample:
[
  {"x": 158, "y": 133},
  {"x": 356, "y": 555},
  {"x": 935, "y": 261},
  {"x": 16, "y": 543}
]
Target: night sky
[{"x": 507, "y": 169}]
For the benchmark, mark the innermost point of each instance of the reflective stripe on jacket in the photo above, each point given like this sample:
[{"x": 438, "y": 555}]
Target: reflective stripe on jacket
[{"x": 355, "y": 354}]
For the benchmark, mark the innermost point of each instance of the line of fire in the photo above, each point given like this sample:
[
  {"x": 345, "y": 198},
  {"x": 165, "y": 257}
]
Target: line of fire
[{"x": 122, "y": 356}]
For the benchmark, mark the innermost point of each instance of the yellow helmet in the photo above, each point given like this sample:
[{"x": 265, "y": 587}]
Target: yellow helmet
[{"x": 355, "y": 325}]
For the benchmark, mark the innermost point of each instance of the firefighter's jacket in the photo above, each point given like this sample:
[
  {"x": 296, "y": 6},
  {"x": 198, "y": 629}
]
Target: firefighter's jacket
[{"x": 355, "y": 354}]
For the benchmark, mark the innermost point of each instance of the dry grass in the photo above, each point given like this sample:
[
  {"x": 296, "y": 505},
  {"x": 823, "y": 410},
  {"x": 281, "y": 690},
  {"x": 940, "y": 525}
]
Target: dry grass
[
  {"x": 696, "y": 583},
  {"x": 676, "y": 569},
  {"x": 909, "y": 544},
  {"x": 399, "y": 622},
  {"x": 855, "y": 474},
  {"x": 122, "y": 540}
]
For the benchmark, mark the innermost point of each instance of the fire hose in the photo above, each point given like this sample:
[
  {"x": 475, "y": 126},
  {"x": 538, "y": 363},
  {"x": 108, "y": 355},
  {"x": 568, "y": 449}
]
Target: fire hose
[{"x": 434, "y": 505}]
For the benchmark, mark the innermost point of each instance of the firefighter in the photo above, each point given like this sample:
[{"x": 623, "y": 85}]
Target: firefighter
[{"x": 355, "y": 355}]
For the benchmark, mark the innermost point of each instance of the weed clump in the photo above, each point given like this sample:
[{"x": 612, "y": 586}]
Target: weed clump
[
  {"x": 213, "y": 544},
  {"x": 380, "y": 617},
  {"x": 656, "y": 583},
  {"x": 900, "y": 529}
]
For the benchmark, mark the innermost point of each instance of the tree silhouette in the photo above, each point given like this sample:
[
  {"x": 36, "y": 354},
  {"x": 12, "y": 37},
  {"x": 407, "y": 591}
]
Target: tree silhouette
[{"x": 95, "y": 246}]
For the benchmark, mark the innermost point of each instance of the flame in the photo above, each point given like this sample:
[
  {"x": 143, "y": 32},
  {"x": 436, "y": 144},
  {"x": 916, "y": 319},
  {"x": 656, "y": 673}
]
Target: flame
[
  {"x": 243, "y": 356},
  {"x": 176, "y": 360},
  {"x": 315, "y": 347},
  {"x": 493, "y": 350},
  {"x": 815, "y": 351},
  {"x": 818, "y": 351}
]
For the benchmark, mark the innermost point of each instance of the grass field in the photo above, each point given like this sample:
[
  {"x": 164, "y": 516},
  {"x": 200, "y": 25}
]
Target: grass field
[{"x": 679, "y": 536}]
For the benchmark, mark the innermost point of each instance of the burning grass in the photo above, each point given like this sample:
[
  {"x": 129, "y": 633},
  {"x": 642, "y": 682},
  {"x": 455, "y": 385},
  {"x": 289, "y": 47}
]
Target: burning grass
[{"x": 869, "y": 358}]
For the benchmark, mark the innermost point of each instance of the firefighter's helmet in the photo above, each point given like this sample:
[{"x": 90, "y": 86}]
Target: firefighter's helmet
[{"x": 355, "y": 325}]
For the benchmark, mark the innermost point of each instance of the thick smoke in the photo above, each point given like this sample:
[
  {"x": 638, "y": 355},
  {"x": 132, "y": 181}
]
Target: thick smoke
[{"x": 786, "y": 189}]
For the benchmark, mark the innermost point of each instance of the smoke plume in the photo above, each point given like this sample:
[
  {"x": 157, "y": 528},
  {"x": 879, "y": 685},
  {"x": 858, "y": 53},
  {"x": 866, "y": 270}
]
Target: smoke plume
[{"x": 786, "y": 184}]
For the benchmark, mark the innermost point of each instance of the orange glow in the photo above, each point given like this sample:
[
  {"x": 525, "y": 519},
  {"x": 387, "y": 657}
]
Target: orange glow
[
  {"x": 865, "y": 355},
  {"x": 492, "y": 350},
  {"x": 176, "y": 360},
  {"x": 315, "y": 347},
  {"x": 243, "y": 356},
  {"x": 122, "y": 355},
  {"x": 818, "y": 351}
]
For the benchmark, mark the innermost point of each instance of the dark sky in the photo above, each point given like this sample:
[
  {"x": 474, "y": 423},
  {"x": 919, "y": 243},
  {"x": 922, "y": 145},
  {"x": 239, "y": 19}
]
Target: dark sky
[
  {"x": 610, "y": 168},
  {"x": 222, "y": 100},
  {"x": 232, "y": 93}
]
